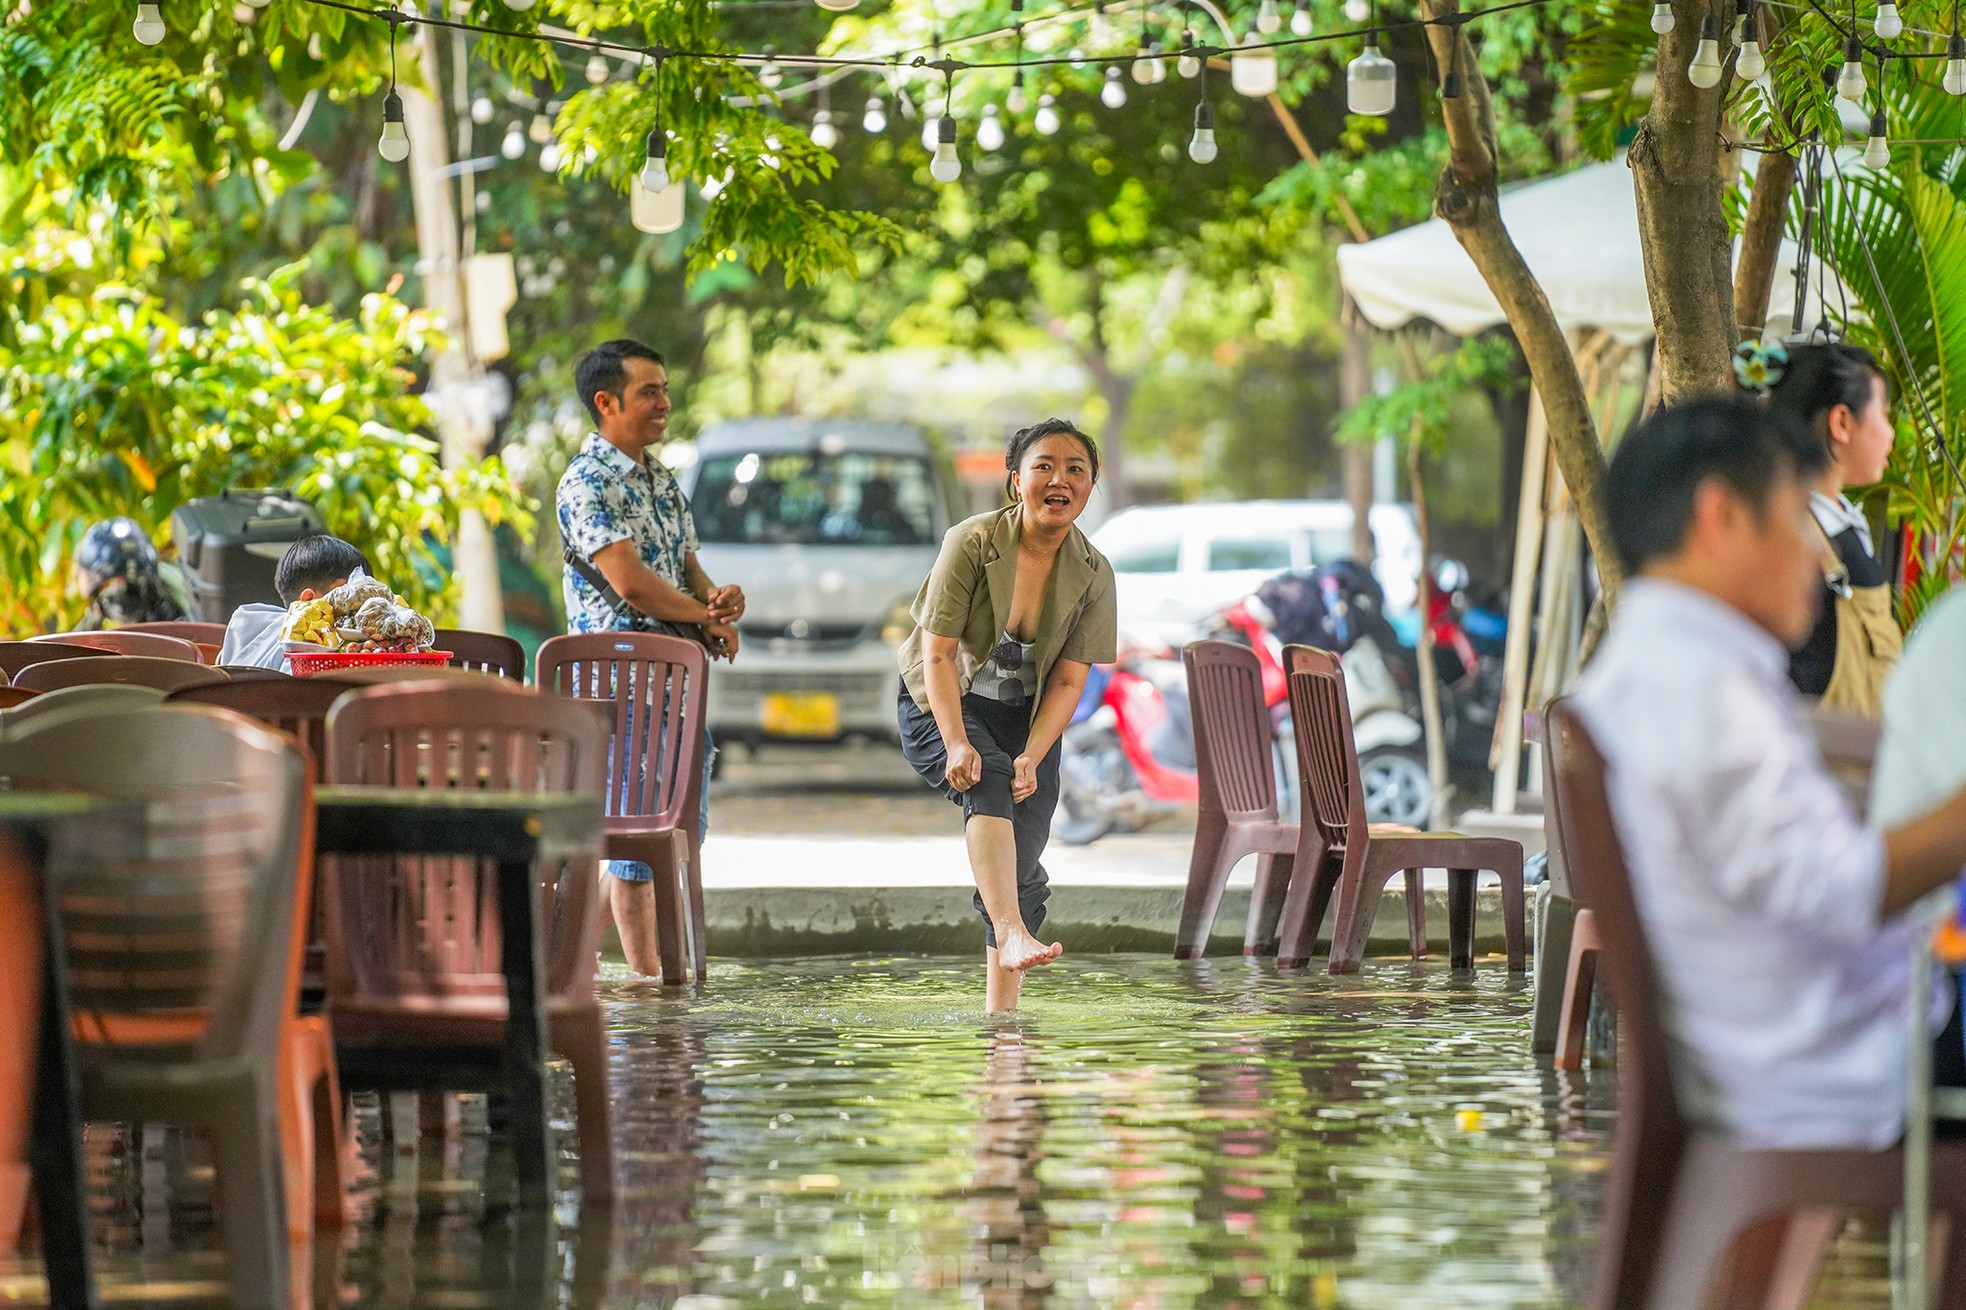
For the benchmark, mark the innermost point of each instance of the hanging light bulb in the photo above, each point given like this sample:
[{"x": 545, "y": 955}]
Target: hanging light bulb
[
  {"x": 514, "y": 144},
  {"x": 520, "y": 5},
  {"x": 931, "y": 130},
  {"x": 1705, "y": 71},
  {"x": 989, "y": 132},
  {"x": 1047, "y": 121},
  {"x": 1750, "y": 63},
  {"x": 770, "y": 74},
  {"x": 549, "y": 158},
  {"x": 149, "y": 28},
  {"x": 1201, "y": 146},
  {"x": 875, "y": 119},
  {"x": 656, "y": 212},
  {"x": 1017, "y": 101},
  {"x": 1662, "y": 18},
  {"x": 947, "y": 166},
  {"x": 395, "y": 143},
  {"x": 1955, "y": 79},
  {"x": 1371, "y": 82},
  {"x": 655, "y": 167},
  {"x": 597, "y": 68},
  {"x": 1148, "y": 70},
  {"x": 838, "y": 6},
  {"x": 1300, "y": 19},
  {"x": 824, "y": 134},
  {"x": 1358, "y": 11},
  {"x": 1877, "y": 151},
  {"x": 482, "y": 110},
  {"x": 1889, "y": 24},
  {"x": 1269, "y": 18},
  {"x": 1113, "y": 94},
  {"x": 1189, "y": 63},
  {"x": 1850, "y": 82},
  {"x": 1253, "y": 69},
  {"x": 1076, "y": 58},
  {"x": 540, "y": 130}
]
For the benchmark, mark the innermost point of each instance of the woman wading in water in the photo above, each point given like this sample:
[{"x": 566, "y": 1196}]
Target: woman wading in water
[{"x": 1017, "y": 609}]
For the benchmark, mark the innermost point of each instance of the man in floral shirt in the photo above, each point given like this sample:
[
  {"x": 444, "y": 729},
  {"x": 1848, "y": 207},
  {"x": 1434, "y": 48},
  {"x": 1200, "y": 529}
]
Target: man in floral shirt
[{"x": 624, "y": 513}]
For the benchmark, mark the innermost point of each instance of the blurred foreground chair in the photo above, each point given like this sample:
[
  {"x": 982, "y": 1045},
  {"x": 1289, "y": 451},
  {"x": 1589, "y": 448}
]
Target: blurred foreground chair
[
  {"x": 86, "y": 700},
  {"x": 1355, "y": 861},
  {"x": 122, "y": 641},
  {"x": 659, "y": 686},
  {"x": 1235, "y": 757},
  {"x": 140, "y": 670},
  {"x": 11, "y": 697},
  {"x": 252, "y": 673},
  {"x": 182, "y": 940},
  {"x": 18, "y": 655},
  {"x": 486, "y": 652},
  {"x": 1685, "y": 1203},
  {"x": 198, "y": 634},
  {"x": 20, "y": 1000},
  {"x": 413, "y": 942}
]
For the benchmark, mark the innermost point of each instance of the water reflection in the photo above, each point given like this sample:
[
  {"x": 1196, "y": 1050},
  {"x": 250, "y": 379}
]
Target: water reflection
[{"x": 847, "y": 1133}]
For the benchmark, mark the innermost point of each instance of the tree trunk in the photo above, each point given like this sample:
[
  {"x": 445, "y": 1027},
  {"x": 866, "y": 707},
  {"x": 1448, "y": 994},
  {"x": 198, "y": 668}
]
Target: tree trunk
[
  {"x": 1466, "y": 198},
  {"x": 1354, "y": 384},
  {"x": 1431, "y": 720},
  {"x": 1682, "y": 229},
  {"x": 1761, "y": 242}
]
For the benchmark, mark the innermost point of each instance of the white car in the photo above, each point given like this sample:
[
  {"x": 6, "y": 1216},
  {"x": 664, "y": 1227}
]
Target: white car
[{"x": 1177, "y": 564}]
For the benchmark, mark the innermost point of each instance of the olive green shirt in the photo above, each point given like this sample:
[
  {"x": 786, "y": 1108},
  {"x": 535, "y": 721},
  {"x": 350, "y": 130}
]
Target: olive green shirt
[{"x": 967, "y": 596}]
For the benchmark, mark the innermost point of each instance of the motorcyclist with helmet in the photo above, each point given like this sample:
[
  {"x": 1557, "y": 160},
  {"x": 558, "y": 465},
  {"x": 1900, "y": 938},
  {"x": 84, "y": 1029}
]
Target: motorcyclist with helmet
[{"x": 125, "y": 581}]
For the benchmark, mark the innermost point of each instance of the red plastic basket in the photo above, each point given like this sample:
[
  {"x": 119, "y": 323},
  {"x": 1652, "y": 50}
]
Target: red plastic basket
[{"x": 308, "y": 662}]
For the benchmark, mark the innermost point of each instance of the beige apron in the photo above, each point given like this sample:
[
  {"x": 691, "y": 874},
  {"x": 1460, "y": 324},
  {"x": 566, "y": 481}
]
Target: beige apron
[{"x": 1868, "y": 641}]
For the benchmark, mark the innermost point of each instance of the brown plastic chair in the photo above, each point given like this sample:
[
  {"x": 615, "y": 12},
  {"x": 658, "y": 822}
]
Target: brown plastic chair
[
  {"x": 142, "y": 670},
  {"x": 10, "y": 697},
  {"x": 253, "y": 673},
  {"x": 1356, "y": 861},
  {"x": 18, "y": 655},
  {"x": 182, "y": 941},
  {"x": 121, "y": 641},
  {"x": 89, "y": 700},
  {"x": 655, "y": 766},
  {"x": 20, "y": 999},
  {"x": 198, "y": 634},
  {"x": 487, "y": 652},
  {"x": 413, "y": 942},
  {"x": 1238, "y": 814},
  {"x": 1682, "y": 1197},
  {"x": 377, "y": 675}
]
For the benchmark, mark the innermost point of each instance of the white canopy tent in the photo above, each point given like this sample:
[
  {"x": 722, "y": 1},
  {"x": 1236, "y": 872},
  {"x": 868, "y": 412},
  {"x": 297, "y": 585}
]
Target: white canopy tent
[{"x": 1579, "y": 233}]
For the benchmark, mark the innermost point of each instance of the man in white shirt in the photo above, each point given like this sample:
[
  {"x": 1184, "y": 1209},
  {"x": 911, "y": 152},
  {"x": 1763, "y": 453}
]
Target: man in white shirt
[
  {"x": 1774, "y": 916},
  {"x": 313, "y": 566}
]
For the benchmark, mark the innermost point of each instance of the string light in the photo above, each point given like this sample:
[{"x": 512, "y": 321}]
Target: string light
[
  {"x": 1113, "y": 94},
  {"x": 947, "y": 166},
  {"x": 1201, "y": 146},
  {"x": 519, "y": 5},
  {"x": 1877, "y": 151},
  {"x": 1663, "y": 20},
  {"x": 598, "y": 69},
  {"x": 1358, "y": 11},
  {"x": 874, "y": 121},
  {"x": 1300, "y": 19},
  {"x": 482, "y": 110},
  {"x": 655, "y": 169},
  {"x": 931, "y": 130},
  {"x": 1253, "y": 69},
  {"x": 1750, "y": 63},
  {"x": 1888, "y": 24},
  {"x": 514, "y": 144},
  {"x": 1742, "y": 8},
  {"x": 1148, "y": 68},
  {"x": 149, "y": 27},
  {"x": 1371, "y": 81},
  {"x": 771, "y": 74},
  {"x": 1269, "y": 19},
  {"x": 989, "y": 132},
  {"x": 540, "y": 130},
  {"x": 824, "y": 134},
  {"x": 1017, "y": 101},
  {"x": 1188, "y": 64},
  {"x": 838, "y": 6},
  {"x": 395, "y": 143},
  {"x": 1047, "y": 121},
  {"x": 549, "y": 157},
  {"x": 1955, "y": 79},
  {"x": 1850, "y": 82},
  {"x": 1705, "y": 70}
]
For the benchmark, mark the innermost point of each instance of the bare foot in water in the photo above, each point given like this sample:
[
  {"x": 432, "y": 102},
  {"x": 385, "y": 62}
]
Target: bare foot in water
[{"x": 1019, "y": 950}]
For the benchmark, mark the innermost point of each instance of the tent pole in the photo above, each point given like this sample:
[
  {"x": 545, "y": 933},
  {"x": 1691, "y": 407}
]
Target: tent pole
[{"x": 1522, "y": 597}]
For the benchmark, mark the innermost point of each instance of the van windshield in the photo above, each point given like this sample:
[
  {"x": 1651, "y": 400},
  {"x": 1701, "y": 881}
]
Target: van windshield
[{"x": 805, "y": 498}]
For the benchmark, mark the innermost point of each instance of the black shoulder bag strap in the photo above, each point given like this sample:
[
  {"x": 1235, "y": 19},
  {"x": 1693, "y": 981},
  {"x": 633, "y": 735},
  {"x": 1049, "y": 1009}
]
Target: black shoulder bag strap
[{"x": 622, "y": 609}]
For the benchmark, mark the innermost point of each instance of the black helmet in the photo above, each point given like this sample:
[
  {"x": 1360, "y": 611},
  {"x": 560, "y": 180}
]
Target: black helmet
[{"x": 115, "y": 548}]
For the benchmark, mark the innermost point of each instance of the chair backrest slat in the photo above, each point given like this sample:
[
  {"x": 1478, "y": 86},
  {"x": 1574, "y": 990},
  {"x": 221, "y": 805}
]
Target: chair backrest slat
[
  {"x": 658, "y": 686},
  {"x": 1327, "y": 752},
  {"x": 298, "y": 706},
  {"x": 141, "y": 670},
  {"x": 485, "y": 652},
  {"x": 18, "y": 655},
  {"x": 1234, "y": 752},
  {"x": 198, "y": 634},
  {"x": 123, "y": 641}
]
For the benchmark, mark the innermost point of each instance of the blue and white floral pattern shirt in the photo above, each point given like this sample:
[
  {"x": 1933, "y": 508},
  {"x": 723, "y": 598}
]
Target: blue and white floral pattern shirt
[{"x": 605, "y": 497}]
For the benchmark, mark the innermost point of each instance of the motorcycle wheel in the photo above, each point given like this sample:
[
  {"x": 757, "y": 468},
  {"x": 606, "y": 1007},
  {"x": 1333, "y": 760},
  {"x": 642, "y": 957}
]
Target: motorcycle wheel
[
  {"x": 1397, "y": 789},
  {"x": 1079, "y": 819}
]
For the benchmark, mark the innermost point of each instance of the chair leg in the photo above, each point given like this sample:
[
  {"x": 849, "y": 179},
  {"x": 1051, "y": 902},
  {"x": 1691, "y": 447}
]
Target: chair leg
[
  {"x": 1304, "y": 908},
  {"x": 252, "y": 1200},
  {"x": 671, "y": 904},
  {"x": 1273, "y": 874},
  {"x": 1460, "y": 918},
  {"x": 1552, "y": 965},
  {"x": 1416, "y": 913},
  {"x": 334, "y": 1143},
  {"x": 586, "y": 1050},
  {"x": 1574, "y": 1019},
  {"x": 13, "y": 1204},
  {"x": 1204, "y": 891},
  {"x": 1358, "y": 901},
  {"x": 698, "y": 921},
  {"x": 1515, "y": 918},
  {"x": 296, "y": 1092}
]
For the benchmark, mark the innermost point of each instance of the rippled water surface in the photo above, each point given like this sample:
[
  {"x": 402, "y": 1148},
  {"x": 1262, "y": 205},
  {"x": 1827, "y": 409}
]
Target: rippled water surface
[{"x": 857, "y": 1133}]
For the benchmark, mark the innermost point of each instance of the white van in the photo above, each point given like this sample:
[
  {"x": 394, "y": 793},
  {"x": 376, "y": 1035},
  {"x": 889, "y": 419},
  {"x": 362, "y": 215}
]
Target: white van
[
  {"x": 829, "y": 525},
  {"x": 1177, "y": 564}
]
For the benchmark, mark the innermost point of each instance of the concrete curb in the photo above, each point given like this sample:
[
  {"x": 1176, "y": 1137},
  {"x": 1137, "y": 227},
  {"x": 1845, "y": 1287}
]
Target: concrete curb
[{"x": 783, "y": 921}]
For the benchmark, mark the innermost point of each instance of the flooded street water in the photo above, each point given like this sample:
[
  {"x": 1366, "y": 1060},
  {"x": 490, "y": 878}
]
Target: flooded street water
[{"x": 840, "y": 1132}]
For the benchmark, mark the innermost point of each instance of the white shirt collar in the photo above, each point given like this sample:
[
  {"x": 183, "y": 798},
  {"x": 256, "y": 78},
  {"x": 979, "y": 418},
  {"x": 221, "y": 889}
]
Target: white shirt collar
[
  {"x": 1672, "y": 611},
  {"x": 1838, "y": 515}
]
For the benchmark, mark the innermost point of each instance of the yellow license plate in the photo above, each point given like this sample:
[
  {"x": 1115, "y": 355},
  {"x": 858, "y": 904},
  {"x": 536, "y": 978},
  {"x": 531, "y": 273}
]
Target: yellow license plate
[{"x": 801, "y": 714}]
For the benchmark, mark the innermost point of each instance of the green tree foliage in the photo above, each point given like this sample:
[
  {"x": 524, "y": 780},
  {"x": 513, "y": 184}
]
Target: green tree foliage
[{"x": 109, "y": 405}]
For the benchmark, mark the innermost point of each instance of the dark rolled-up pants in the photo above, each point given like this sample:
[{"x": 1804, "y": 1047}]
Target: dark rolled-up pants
[{"x": 999, "y": 733}]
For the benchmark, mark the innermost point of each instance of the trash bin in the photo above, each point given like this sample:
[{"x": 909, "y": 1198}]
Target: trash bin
[{"x": 229, "y": 545}]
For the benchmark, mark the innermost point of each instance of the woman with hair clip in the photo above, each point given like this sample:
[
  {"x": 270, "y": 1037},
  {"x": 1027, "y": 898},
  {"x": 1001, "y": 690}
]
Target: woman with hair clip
[
  {"x": 1839, "y": 390},
  {"x": 1017, "y": 609}
]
